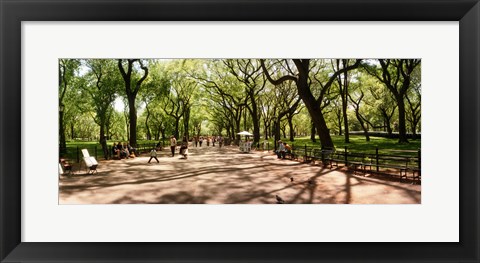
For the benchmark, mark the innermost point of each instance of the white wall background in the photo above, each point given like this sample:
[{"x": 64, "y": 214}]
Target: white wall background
[{"x": 435, "y": 220}]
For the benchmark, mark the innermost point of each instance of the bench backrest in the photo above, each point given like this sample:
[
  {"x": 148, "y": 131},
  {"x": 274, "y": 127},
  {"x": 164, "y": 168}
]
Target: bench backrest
[
  {"x": 356, "y": 157},
  {"x": 322, "y": 153},
  {"x": 85, "y": 153}
]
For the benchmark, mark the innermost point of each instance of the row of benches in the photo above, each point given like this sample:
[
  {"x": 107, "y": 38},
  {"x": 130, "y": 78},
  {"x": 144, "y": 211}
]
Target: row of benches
[{"x": 361, "y": 161}]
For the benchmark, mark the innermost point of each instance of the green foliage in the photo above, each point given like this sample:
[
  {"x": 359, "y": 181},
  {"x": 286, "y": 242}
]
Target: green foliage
[{"x": 214, "y": 96}]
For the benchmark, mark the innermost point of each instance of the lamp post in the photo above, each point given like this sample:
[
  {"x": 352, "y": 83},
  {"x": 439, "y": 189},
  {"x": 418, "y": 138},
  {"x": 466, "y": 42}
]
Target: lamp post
[{"x": 61, "y": 130}]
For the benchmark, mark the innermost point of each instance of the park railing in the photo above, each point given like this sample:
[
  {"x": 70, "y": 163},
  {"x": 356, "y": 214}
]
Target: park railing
[
  {"x": 74, "y": 153},
  {"x": 385, "y": 161},
  {"x": 146, "y": 147}
]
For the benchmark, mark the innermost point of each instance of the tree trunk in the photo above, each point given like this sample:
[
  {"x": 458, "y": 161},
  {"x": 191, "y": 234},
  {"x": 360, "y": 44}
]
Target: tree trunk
[
  {"x": 61, "y": 128},
  {"x": 345, "y": 119},
  {"x": 320, "y": 125},
  {"x": 266, "y": 129},
  {"x": 343, "y": 93},
  {"x": 186, "y": 120},
  {"x": 255, "y": 119},
  {"x": 199, "y": 130},
  {"x": 103, "y": 140},
  {"x": 284, "y": 128},
  {"x": 386, "y": 119},
  {"x": 402, "y": 131},
  {"x": 131, "y": 95},
  {"x": 163, "y": 130},
  {"x": 292, "y": 130},
  {"x": 271, "y": 128},
  {"x": 276, "y": 132},
  {"x": 237, "y": 130},
  {"x": 157, "y": 134},
  {"x": 232, "y": 132},
  {"x": 107, "y": 131},
  {"x": 147, "y": 128},
  {"x": 414, "y": 129},
  {"x": 313, "y": 108},
  {"x": 244, "y": 120},
  {"x": 362, "y": 123},
  {"x": 339, "y": 118},
  {"x": 177, "y": 127},
  {"x": 313, "y": 132},
  {"x": 133, "y": 121}
]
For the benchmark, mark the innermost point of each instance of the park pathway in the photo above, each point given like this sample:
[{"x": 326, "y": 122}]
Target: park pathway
[{"x": 213, "y": 175}]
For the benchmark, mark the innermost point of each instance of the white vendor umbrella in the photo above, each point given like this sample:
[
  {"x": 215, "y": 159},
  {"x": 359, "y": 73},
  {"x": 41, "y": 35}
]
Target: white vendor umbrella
[{"x": 245, "y": 133}]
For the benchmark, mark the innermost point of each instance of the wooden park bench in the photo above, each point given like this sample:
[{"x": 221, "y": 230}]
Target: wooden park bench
[
  {"x": 356, "y": 161},
  {"x": 414, "y": 167},
  {"x": 90, "y": 162},
  {"x": 322, "y": 155},
  {"x": 65, "y": 167},
  {"x": 307, "y": 155},
  {"x": 399, "y": 163},
  {"x": 292, "y": 155},
  {"x": 335, "y": 158}
]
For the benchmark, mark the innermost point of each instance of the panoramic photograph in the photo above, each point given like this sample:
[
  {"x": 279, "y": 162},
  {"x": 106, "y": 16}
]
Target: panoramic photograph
[{"x": 239, "y": 131}]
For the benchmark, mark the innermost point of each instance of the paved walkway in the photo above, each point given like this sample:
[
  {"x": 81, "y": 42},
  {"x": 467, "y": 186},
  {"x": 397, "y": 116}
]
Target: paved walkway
[{"x": 226, "y": 176}]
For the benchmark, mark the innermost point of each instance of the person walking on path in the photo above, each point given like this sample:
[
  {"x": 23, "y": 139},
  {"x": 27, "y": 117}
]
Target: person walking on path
[
  {"x": 153, "y": 155},
  {"x": 173, "y": 144},
  {"x": 184, "y": 148}
]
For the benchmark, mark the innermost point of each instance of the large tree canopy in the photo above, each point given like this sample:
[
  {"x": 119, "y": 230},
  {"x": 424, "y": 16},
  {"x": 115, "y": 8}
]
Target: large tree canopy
[{"x": 107, "y": 99}]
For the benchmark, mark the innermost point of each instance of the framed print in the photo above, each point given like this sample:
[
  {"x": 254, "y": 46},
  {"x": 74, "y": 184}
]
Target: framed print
[{"x": 43, "y": 222}]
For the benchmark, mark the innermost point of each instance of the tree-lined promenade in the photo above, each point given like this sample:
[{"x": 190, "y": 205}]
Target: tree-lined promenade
[
  {"x": 366, "y": 109},
  {"x": 214, "y": 175},
  {"x": 150, "y": 99}
]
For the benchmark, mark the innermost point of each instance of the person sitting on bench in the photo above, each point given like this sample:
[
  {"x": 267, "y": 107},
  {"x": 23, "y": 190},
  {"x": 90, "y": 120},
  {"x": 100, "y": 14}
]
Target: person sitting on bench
[
  {"x": 125, "y": 150},
  {"x": 288, "y": 148},
  {"x": 281, "y": 150},
  {"x": 115, "y": 152},
  {"x": 131, "y": 151},
  {"x": 121, "y": 151}
]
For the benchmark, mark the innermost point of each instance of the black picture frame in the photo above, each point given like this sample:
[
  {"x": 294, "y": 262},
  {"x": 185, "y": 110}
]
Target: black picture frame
[{"x": 13, "y": 12}]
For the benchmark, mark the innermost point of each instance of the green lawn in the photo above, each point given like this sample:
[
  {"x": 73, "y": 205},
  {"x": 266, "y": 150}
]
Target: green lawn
[
  {"x": 94, "y": 148},
  {"x": 357, "y": 144}
]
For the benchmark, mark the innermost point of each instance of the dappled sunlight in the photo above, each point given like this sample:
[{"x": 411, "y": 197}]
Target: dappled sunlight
[{"x": 225, "y": 176}]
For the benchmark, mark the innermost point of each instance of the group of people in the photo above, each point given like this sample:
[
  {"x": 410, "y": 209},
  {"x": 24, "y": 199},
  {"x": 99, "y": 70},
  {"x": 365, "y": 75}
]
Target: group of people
[
  {"x": 126, "y": 151},
  {"x": 183, "y": 146},
  {"x": 173, "y": 146},
  {"x": 123, "y": 151},
  {"x": 198, "y": 141},
  {"x": 283, "y": 149}
]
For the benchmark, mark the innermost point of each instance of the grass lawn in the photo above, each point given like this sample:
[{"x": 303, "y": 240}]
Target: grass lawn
[
  {"x": 357, "y": 144},
  {"x": 74, "y": 148}
]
